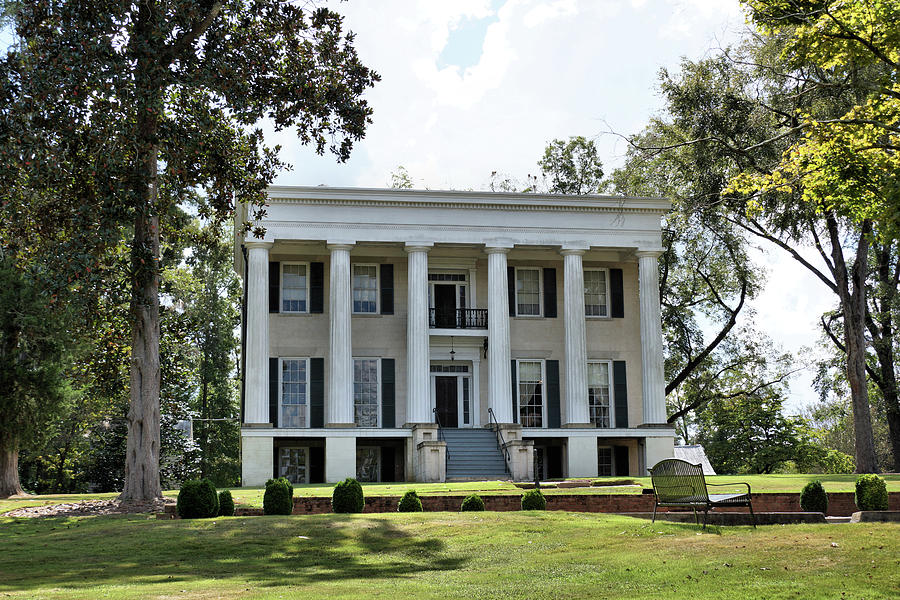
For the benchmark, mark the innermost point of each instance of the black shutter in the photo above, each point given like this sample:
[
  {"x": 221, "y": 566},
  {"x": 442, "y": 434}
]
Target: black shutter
[
  {"x": 552, "y": 368},
  {"x": 515, "y": 395},
  {"x": 273, "y": 391},
  {"x": 317, "y": 392},
  {"x": 274, "y": 287},
  {"x": 617, "y": 301},
  {"x": 316, "y": 287},
  {"x": 317, "y": 464},
  {"x": 388, "y": 469},
  {"x": 275, "y": 452},
  {"x": 620, "y": 458},
  {"x": 511, "y": 289},
  {"x": 387, "y": 289},
  {"x": 550, "y": 293},
  {"x": 387, "y": 392},
  {"x": 620, "y": 392}
]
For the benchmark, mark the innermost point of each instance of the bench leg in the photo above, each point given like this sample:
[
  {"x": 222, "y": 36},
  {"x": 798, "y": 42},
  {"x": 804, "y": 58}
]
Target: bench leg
[
  {"x": 696, "y": 516},
  {"x": 705, "y": 517},
  {"x": 654, "y": 512},
  {"x": 752, "y": 516}
]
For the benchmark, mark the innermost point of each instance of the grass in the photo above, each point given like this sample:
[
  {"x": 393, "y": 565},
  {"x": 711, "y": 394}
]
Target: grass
[
  {"x": 442, "y": 555},
  {"x": 252, "y": 497}
]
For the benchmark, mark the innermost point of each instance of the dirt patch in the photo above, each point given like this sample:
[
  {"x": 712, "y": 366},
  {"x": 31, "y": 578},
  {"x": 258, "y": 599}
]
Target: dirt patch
[{"x": 90, "y": 508}]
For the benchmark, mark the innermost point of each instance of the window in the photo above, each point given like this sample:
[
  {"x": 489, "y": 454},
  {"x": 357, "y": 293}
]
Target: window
[
  {"x": 293, "y": 463},
  {"x": 604, "y": 461},
  {"x": 294, "y": 288},
  {"x": 528, "y": 292},
  {"x": 365, "y": 392},
  {"x": 293, "y": 401},
  {"x": 368, "y": 464},
  {"x": 595, "y": 295},
  {"x": 599, "y": 393},
  {"x": 531, "y": 394},
  {"x": 365, "y": 288}
]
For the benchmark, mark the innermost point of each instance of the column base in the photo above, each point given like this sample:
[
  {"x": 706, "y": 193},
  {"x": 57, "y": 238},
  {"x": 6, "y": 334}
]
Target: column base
[
  {"x": 581, "y": 456},
  {"x": 579, "y": 426},
  {"x": 657, "y": 449},
  {"x": 656, "y": 426},
  {"x": 340, "y": 458},
  {"x": 339, "y": 425},
  {"x": 256, "y": 425},
  {"x": 256, "y": 461}
]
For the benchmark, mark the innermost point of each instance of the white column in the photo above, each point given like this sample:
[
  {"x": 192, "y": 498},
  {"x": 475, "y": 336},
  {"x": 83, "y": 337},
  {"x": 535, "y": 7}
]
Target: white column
[
  {"x": 652, "y": 375},
  {"x": 499, "y": 390},
  {"x": 256, "y": 382},
  {"x": 577, "y": 412},
  {"x": 339, "y": 407},
  {"x": 418, "y": 388}
]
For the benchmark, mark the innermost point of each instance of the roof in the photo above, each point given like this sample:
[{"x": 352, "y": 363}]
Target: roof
[{"x": 696, "y": 455}]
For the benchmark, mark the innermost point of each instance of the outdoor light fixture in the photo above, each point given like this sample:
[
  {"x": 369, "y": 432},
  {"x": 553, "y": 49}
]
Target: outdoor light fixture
[
  {"x": 484, "y": 347},
  {"x": 452, "y": 351}
]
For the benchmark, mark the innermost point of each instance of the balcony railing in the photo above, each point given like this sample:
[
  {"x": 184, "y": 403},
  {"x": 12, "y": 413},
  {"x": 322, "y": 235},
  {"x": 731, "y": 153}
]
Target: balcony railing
[{"x": 458, "y": 318}]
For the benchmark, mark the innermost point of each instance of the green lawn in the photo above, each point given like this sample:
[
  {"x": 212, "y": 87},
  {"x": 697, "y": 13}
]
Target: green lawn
[{"x": 442, "y": 555}]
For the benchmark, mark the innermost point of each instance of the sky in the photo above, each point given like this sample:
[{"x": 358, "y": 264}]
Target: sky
[{"x": 474, "y": 86}]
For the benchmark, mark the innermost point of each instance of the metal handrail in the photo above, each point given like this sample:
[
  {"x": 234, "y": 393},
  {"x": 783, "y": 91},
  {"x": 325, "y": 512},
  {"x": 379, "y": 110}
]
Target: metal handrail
[
  {"x": 458, "y": 318},
  {"x": 441, "y": 438},
  {"x": 501, "y": 443}
]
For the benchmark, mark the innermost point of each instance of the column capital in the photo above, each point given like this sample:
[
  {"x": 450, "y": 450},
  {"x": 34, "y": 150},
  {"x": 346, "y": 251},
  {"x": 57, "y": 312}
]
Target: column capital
[
  {"x": 258, "y": 244},
  {"x": 497, "y": 249},
  {"x": 418, "y": 246},
  {"x": 649, "y": 253},
  {"x": 333, "y": 245},
  {"x": 572, "y": 251}
]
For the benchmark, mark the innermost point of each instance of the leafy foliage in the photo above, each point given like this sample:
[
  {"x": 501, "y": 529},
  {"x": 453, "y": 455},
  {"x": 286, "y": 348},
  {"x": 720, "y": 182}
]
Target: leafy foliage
[
  {"x": 813, "y": 497},
  {"x": 348, "y": 497},
  {"x": 410, "y": 502},
  {"x": 572, "y": 166},
  {"x": 279, "y": 497},
  {"x": 533, "y": 500},
  {"x": 197, "y": 499},
  {"x": 472, "y": 502},
  {"x": 226, "y": 504},
  {"x": 871, "y": 493}
]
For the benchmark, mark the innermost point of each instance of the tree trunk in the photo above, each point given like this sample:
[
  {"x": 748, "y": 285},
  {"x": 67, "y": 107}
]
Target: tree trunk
[
  {"x": 881, "y": 329},
  {"x": 851, "y": 288},
  {"x": 9, "y": 466}
]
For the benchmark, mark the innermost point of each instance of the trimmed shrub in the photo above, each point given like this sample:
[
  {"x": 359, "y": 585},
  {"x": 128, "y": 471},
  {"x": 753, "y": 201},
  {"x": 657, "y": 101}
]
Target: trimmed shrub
[
  {"x": 472, "y": 502},
  {"x": 348, "y": 497},
  {"x": 534, "y": 500},
  {"x": 279, "y": 497},
  {"x": 226, "y": 504},
  {"x": 871, "y": 493},
  {"x": 410, "y": 502},
  {"x": 197, "y": 500},
  {"x": 813, "y": 497}
]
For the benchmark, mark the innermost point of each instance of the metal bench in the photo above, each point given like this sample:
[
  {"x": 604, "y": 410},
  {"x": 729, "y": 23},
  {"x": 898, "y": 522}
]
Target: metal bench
[{"x": 678, "y": 483}]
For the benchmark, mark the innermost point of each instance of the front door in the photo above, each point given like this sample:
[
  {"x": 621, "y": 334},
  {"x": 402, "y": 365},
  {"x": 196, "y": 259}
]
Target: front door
[
  {"x": 445, "y": 306},
  {"x": 446, "y": 401}
]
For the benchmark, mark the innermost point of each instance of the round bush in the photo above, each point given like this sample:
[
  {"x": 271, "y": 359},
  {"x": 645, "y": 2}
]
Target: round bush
[
  {"x": 197, "y": 500},
  {"x": 348, "y": 497},
  {"x": 410, "y": 502},
  {"x": 813, "y": 497},
  {"x": 279, "y": 497},
  {"x": 226, "y": 504},
  {"x": 533, "y": 500},
  {"x": 871, "y": 493},
  {"x": 472, "y": 502}
]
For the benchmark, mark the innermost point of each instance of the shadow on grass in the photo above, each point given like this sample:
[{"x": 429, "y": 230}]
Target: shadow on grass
[{"x": 257, "y": 551}]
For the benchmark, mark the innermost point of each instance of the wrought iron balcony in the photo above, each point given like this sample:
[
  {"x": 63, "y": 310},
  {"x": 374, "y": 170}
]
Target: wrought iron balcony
[{"x": 458, "y": 318}]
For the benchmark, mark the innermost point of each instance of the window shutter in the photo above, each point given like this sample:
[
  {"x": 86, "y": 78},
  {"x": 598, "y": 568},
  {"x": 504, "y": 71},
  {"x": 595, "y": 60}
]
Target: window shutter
[
  {"x": 274, "y": 287},
  {"x": 316, "y": 287},
  {"x": 617, "y": 295},
  {"x": 511, "y": 289},
  {"x": 620, "y": 393},
  {"x": 552, "y": 369},
  {"x": 620, "y": 461},
  {"x": 317, "y": 392},
  {"x": 317, "y": 464},
  {"x": 515, "y": 392},
  {"x": 550, "y": 293},
  {"x": 273, "y": 391},
  {"x": 387, "y": 289},
  {"x": 387, "y": 392}
]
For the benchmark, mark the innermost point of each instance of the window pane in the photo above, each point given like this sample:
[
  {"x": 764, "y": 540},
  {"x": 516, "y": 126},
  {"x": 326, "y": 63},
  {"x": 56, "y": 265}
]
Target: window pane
[
  {"x": 604, "y": 461},
  {"x": 365, "y": 289},
  {"x": 598, "y": 393},
  {"x": 528, "y": 292},
  {"x": 292, "y": 464},
  {"x": 365, "y": 392},
  {"x": 367, "y": 464},
  {"x": 595, "y": 293},
  {"x": 531, "y": 395},
  {"x": 293, "y": 288},
  {"x": 293, "y": 393}
]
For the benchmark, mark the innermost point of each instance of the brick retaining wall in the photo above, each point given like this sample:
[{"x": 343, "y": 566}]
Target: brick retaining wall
[{"x": 840, "y": 504}]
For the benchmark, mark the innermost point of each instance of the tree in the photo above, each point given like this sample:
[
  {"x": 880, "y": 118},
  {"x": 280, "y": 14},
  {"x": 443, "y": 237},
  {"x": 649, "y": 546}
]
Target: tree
[
  {"x": 113, "y": 113},
  {"x": 572, "y": 166},
  {"x": 34, "y": 355}
]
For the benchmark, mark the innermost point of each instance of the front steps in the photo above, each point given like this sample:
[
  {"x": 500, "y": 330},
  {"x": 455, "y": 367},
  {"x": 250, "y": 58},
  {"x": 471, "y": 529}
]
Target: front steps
[{"x": 472, "y": 454}]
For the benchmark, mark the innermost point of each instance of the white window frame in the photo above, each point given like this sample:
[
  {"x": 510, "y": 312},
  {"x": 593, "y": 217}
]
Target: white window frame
[
  {"x": 612, "y": 389},
  {"x": 377, "y": 288},
  {"x": 544, "y": 399},
  {"x": 377, "y": 390},
  {"x": 305, "y": 466},
  {"x": 605, "y": 272},
  {"x": 540, "y": 278},
  {"x": 612, "y": 460},
  {"x": 281, "y": 289},
  {"x": 281, "y": 360}
]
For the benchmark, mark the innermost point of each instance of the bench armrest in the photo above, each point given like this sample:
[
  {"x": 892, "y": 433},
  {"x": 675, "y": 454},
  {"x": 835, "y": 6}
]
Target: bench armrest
[{"x": 732, "y": 485}]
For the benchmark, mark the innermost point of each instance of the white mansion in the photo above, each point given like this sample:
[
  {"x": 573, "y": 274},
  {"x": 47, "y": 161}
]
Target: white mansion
[{"x": 395, "y": 335}]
